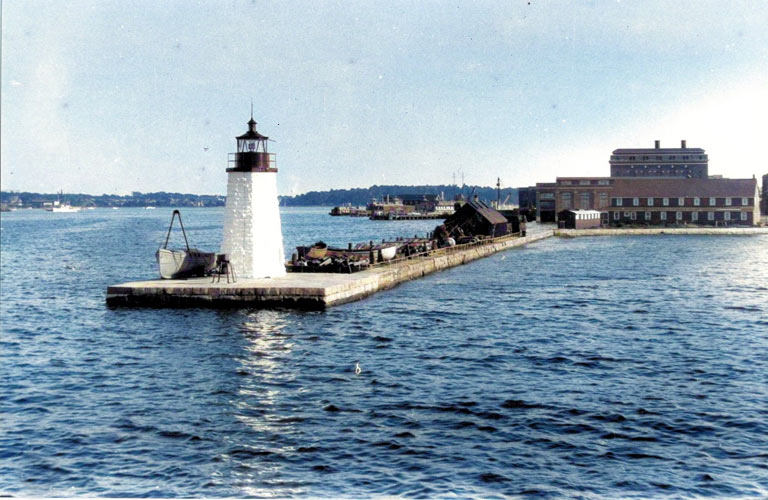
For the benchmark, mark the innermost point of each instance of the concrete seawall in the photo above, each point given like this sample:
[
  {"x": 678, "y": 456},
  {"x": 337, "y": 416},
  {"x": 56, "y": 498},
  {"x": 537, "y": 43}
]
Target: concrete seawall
[
  {"x": 321, "y": 290},
  {"x": 301, "y": 290},
  {"x": 661, "y": 230}
]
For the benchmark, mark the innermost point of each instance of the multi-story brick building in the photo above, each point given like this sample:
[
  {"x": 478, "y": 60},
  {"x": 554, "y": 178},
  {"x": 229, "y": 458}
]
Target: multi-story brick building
[
  {"x": 583, "y": 193},
  {"x": 682, "y": 162},
  {"x": 765, "y": 195},
  {"x": 689, "y": 201}
]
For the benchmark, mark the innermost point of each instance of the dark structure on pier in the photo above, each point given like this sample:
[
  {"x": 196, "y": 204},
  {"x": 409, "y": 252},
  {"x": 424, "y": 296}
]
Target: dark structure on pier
[{"x": 475, "y": 218}]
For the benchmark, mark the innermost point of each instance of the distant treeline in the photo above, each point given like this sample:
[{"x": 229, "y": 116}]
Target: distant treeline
[
  {"x": 362, "y": 196},
  {"x": 135, "y": 199},
  {"x": 334, "y": 197}
]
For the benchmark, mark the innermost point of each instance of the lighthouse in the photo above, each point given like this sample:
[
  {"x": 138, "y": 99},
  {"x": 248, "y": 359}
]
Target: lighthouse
[{"x": 253, "y": 239}]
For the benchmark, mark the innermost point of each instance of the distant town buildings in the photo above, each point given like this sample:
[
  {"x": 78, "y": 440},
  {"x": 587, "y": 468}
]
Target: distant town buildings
[{"x": 652, "y": 187}]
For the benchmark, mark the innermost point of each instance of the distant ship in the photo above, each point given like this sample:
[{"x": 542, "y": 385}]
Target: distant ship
[
  {"x": 64, "y": 208},
  {"x": 58, "y": 206}
]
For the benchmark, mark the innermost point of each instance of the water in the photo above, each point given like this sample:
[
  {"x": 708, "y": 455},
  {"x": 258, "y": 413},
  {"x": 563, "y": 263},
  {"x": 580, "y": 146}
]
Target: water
[{"x": 593, "y": 367}]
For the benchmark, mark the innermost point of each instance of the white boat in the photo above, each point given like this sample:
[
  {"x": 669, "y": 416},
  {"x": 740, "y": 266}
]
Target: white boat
[
  {"x": 63, "y": 208},
  {"x": 149, "y": 208},
  {"x": 58, "y": 206},
  {"x": 183, "y": 263}
]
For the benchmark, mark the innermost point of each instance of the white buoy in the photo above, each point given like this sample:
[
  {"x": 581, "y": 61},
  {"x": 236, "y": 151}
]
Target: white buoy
[
  {"x": 253, "y": 239},
  {"x": 357, "y": 369}
]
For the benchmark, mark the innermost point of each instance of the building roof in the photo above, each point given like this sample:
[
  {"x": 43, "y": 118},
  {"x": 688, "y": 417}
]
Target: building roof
[
  {"x": 252, "y": 134},
  {"x": 488, "y": 213},
  {"x": 656, "y": 151},
  {"x": 676, "y": 187},
  {"x": 586, "y": 212}
]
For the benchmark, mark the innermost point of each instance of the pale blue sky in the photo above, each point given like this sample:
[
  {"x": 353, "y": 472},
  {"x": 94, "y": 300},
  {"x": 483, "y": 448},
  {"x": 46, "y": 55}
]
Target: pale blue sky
[{"x": 120, "y": 96}]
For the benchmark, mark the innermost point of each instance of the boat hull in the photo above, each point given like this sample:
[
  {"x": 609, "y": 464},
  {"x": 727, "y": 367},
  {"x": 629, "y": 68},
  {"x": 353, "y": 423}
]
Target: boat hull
[{"x": 175, "y": 264}]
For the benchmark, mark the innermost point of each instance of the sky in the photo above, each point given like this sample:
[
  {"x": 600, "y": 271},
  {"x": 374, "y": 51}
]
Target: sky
[{"x": 137, "y": 95}]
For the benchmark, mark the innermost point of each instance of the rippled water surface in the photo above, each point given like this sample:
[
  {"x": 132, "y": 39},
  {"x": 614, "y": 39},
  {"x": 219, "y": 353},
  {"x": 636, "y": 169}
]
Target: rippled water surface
[{"x": 613, "y": 366}]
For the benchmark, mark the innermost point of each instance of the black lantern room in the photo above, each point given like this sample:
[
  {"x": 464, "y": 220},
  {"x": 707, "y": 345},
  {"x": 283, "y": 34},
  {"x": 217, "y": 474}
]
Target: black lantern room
[{"x": 252, "y": 155}]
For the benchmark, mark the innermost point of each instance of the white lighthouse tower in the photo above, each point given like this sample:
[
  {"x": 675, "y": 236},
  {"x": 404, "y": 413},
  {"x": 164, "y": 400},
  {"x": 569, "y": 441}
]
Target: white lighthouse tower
[{"x": 253, "y": 239}]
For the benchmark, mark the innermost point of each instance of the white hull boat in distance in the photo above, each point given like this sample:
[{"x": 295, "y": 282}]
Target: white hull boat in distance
[
  {"x": 175, "y": 264},
  {"x": 65, "y": 209}
]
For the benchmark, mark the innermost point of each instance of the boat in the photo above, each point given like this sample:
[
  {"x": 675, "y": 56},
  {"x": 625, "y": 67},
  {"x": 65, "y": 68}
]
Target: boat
[
  {"x": 384, "y": 250},
  {"x": 62, "y": 208},
  {"x": 174, "y": 264},
  {"x": 58, "y": 206},
  {"x": 149, "y": 208}
]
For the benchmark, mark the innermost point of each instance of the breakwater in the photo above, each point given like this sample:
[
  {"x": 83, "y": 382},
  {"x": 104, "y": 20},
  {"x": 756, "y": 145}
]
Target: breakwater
[
  {"x": 304, "y": 290},
  {"x": 316, "y": 291},
  {"x": 661, "y": 230}
]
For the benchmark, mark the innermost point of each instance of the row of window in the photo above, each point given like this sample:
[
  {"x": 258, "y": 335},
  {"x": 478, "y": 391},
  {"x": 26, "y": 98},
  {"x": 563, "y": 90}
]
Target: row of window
[
  {"x": 619, "y": 202},
  {"x": 586, "y": 182},
  {"x": 710, "y": 216},
  {"x": 659, "y": 157}
]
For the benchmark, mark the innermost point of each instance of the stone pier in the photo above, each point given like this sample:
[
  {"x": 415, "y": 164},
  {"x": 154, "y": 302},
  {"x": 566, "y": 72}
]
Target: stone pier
[{"x": 302, "y": 290}]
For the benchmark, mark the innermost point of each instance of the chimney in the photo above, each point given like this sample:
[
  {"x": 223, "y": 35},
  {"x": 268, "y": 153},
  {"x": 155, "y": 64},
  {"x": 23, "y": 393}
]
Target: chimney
[
  {"x": 657, "y": 144},
  {"x": 682, "y": 144}
]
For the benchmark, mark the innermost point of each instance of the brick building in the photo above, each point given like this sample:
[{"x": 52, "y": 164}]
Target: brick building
[
  {"x": 682, "y": 162},
  {"x": 546, "y": 210},
  {"x": 689, "y": 201},
  {"x": 583, "y": 193},
  {"x": 765, "y": 195}
]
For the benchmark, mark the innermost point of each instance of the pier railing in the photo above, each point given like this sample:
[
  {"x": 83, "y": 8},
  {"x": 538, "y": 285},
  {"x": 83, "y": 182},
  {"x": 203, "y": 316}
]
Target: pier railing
[{"x": 446, "y": 250}]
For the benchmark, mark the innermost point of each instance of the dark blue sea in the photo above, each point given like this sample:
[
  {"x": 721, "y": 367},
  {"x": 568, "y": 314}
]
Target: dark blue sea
[{"x": 588, "y": 368}]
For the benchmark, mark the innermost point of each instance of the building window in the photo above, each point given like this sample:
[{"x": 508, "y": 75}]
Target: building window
[
  {"x": 712, "y": 202},
  {"x": 617, "y": 202},
  {"x": 603, "y": 183},
  {"x": 744, "y": 202},
  {"x": 650, "y": 202},
  {"x": 665, "y": 202},
  {"x": 634, "y": 215},
  {"x": 585, "y": 201},
  {"x": 603, "y": 199},
  {"x": 727, "y": 215},
  {"x": 635, "y": 202},
  {"x": 696, "y": 202},
  {"x": 567, "y": 199},
  {"x": 565, "y": 183},
  {"x": 585, "y": 182},
  {"x": 626, "y": 214},
  {"x": 616, "y": 215},
  {"x": 694, "y": 216},
  {"x": 663, "y": 215},
  {"x": 727, "y": 202},
  {"x": 679, "y": 215},
  {"x": 743, "y": 215},
  {"x": 681, "y": 202},
  {"x": 710, "y": 215},
  {"x": 647, "y": 216},
  {"x": 672, "y": 157}
]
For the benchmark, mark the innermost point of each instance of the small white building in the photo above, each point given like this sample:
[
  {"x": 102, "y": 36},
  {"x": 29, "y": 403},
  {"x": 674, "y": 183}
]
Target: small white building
[{"x": 252, "y": 238}]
